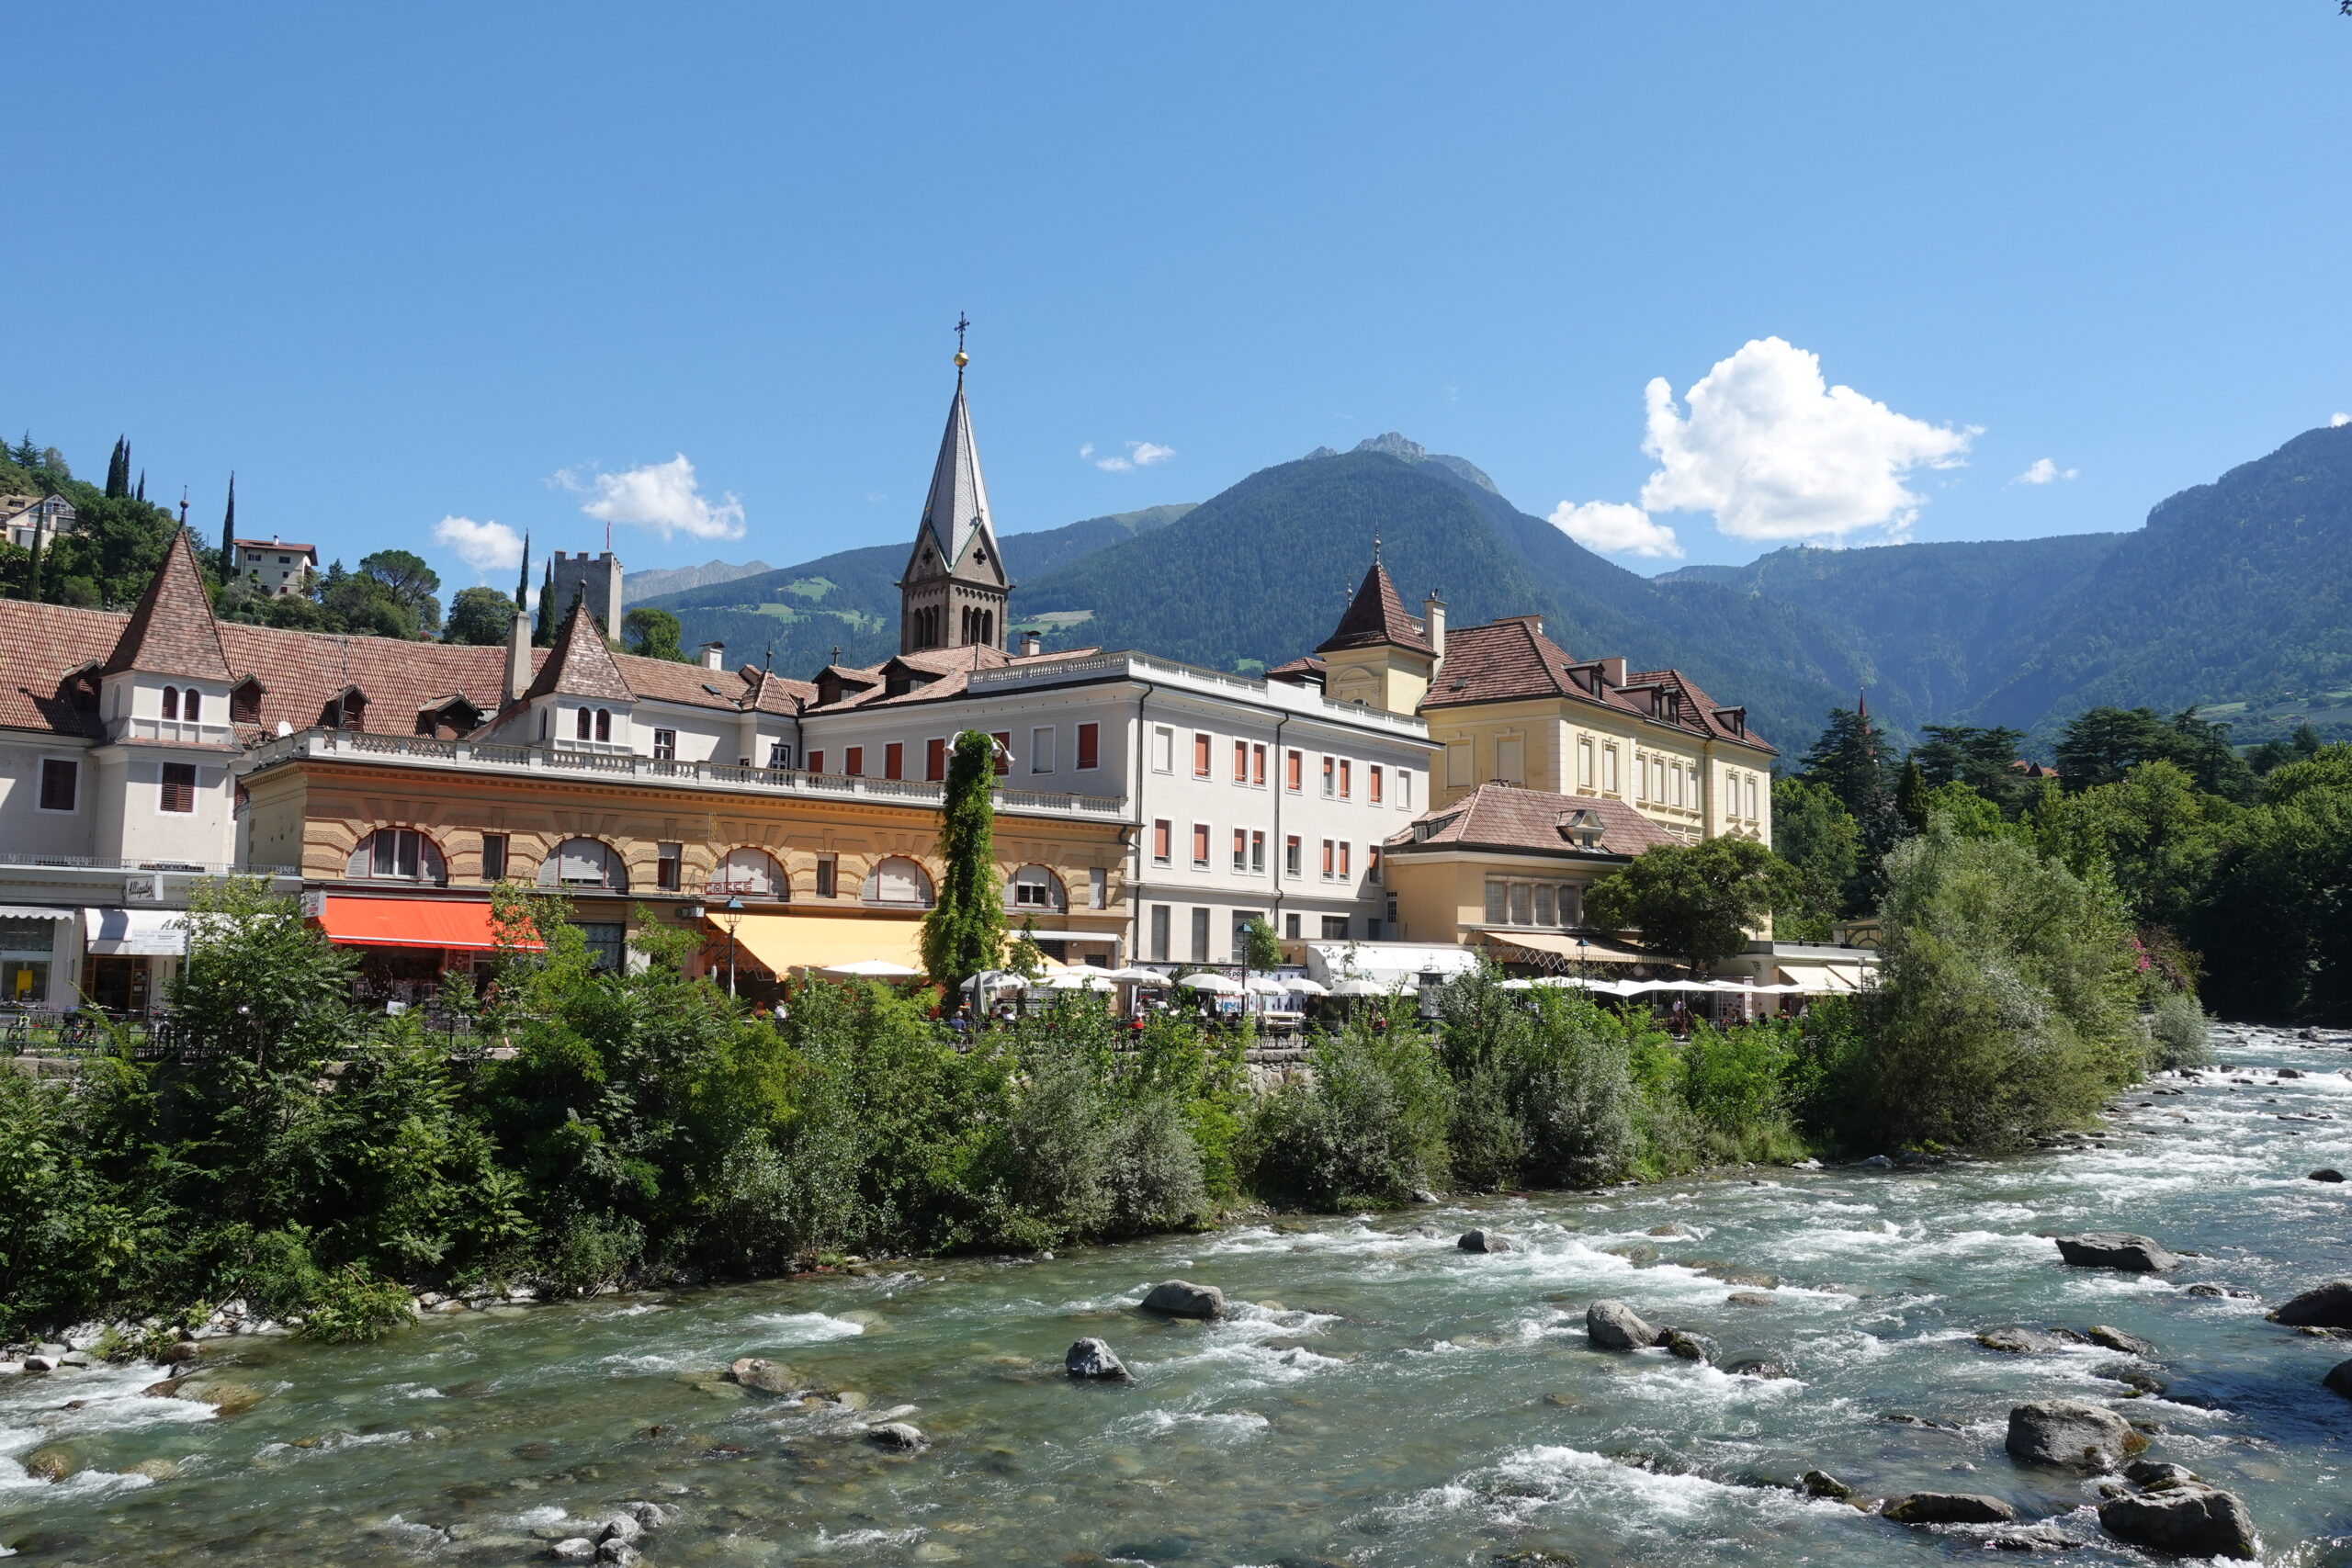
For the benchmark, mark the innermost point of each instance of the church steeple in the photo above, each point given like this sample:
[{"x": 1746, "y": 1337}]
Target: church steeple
[{"x": 954, "y": 590}]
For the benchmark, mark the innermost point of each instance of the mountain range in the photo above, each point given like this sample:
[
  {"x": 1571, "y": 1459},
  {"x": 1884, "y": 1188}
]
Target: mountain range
[{"x": 2237, "y": 595}]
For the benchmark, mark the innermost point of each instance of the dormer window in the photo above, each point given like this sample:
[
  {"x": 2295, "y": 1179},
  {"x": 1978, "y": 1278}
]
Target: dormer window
[{"x": 245, "y": 701}]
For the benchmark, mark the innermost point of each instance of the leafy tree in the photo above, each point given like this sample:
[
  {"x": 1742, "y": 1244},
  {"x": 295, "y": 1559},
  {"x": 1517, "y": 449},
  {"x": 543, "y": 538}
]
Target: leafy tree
[
  {"x": 1260, "y": 949},
  {"x": 1853, "y": 762},
  {"x": 2302, "y": 746},
  {"x": 2275, "y": 923},
  {"x": 1025, "y": 958},
  {"x": 481, "y": 617},
  {"x": 653, "y": 632},
  {"x": 1696, "y": 902},
  {"x": 2100, "y": 745},
  {"x": 964, "y": 932},
  {"x": 1817, "y": 836},
  {"x": 1911, "y": 796},
  {"x": 409, "y": 583},
  {"x": 2152, "y": 833}
]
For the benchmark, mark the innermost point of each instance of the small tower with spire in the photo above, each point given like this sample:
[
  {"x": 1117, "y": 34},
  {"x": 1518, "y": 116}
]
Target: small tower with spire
[
  {"x": 955, "y": 591},
  {"x": 1378, "y": 655}
]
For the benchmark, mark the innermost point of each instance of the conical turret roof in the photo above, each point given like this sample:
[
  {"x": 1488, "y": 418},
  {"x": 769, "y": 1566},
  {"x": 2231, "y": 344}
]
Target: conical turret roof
[
  {"x": 172, "y": 632},
  {"x": 579, "y": 665},
  {"x": 1376, "y": 619}
]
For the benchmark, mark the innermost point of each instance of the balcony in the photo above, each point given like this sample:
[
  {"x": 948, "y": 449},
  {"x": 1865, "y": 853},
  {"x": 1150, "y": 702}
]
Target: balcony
[
  {"x": 183, "y": 731},
  {"x": 623, "y": 767}
]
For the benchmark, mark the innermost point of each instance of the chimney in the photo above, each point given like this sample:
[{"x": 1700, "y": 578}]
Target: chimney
[
  {"x": 1612, "y": 671},
  {"x": 1434, "y": 619},
  {"x": 712, "y": 655},
  {"x": 518, "y": 657},
  {"x": 1031, "y": 644}
]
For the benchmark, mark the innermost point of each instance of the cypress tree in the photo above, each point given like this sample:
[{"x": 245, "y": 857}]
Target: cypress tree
[
  {"x": 229, "y": 533},
  {"x": 964, "y": 932},
  {"x": 1911, "y": 796},
  {"x": 32, "y": 569},
  {"x": 118, "y": 471},
  {"x": 142, "y": 487}
]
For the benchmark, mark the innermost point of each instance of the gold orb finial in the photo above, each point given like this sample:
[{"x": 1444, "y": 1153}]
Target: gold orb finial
[{"x": 962, "y": 359}]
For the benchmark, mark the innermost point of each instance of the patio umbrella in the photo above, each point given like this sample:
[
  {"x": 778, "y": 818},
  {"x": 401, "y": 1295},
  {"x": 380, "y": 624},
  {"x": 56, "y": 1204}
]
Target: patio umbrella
[
  {"x": 871, "y": 969},
  {"x": 1079, "y": 979},
  {"x": 1216, "y": 984},
  {"x": 1304, "y": 986},
  {"x": 1265, "y": 986},
  {"x": 1137, "y": 976},
  {"x": 1358, "y": 988},
  {"x": 997, "y": 980}
]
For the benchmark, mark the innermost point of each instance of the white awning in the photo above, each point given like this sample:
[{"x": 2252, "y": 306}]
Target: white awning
[
  {"x": 1388, "y": 963},
  {"x": 155, "y": 933},
  {"x": 33, "y": 912}
]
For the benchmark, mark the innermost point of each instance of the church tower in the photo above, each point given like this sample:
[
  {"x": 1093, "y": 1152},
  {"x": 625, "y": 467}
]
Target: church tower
[{"x": 954, "y": 590}]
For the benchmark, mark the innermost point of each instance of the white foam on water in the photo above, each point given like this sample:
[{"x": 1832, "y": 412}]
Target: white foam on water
[
  {"x": 855, "y": 1540},
  {"x": 1233, "y": 1426},
  {"x": 1635, "y": 1498},
  {"x": 805, "y": 1328}
]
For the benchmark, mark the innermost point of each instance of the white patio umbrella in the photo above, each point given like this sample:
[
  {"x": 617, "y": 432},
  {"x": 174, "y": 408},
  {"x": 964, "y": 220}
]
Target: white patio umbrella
[
  {"x": 997, "y": 980},
  {"x": 1217, "y": 985},
  {"x": 1302, "y": 985},
  {"x": 1265, "y": 986},
  {"x": 1080, "y": 979},
  {"x": 871, "y": 969},
  {"x": 1518, "y": 985},
  {"x": 1139, "y": 977},
  {"x": 1358, "y": 988}
]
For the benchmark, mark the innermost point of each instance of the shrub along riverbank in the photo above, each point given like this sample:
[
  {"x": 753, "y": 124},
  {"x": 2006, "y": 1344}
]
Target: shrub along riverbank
[{"x": 316, "y": 1160}]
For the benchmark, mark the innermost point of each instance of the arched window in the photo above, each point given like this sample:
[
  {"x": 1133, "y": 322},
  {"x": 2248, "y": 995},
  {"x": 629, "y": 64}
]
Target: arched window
[
  {"x": 580, "y": 723},
  {"x": 1034, "y": 887},
  {"x": 603, "y": 724},
  {"x": 749, "y": 873},
  {"x": 171, "y": 702},
  {"x": 192, "y": 706},
  {"x": 397, "y": 855},
  {"x": 587, "y": 863},
  {"x": 898, "y": 880}
]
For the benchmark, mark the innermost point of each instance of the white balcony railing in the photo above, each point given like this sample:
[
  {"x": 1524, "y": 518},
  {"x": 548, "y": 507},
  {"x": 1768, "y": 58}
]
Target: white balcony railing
[
  {"x": 187, "y": 731},
  {"x": 1144, "y": 667},
  {"x": 418, "y": 752}
]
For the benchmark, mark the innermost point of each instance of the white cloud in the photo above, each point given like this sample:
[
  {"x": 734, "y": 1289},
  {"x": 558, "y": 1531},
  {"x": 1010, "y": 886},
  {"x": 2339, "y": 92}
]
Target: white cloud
[
  {"x": 485, "y": 546},
  {"x": 1614, "y": 528},
  {"x": 1776, "y": 452},
  {"x": 2044, "y": 472},
  {"x": 2338, "y": 420},
  {"x": 664, "y": 497},
  {"x": 1138, "y": 455}
]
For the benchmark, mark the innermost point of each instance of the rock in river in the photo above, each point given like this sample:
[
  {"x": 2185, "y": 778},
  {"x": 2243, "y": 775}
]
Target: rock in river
[
  {"x": 2339, "y": 1378},
  {"x": 899, "y": 1437},
  {"x": 2184, "y": 1521},
  {"x": 2323, "y": 1307},
  {"x": 1613, "y": 1325},
  {"x": 1093, "y": 1359},
  {"x": 2071, "y": 1435},
  {"x": 1174, "y": 1298},
  {"x": 51, "y": 1463},
  {"x": 1688, "y": 1346},
  {"x": 2116, "y": 1249},
  {"x": 2116, "y": 1339},
  {"x": 1950, "y": 1508},
  {"x": 1484, "y": 1241},
  {"x": 768, "y": 1377},
  {"x": 574, "y": 1549},
  {"x": 2326, "y": 1173}
]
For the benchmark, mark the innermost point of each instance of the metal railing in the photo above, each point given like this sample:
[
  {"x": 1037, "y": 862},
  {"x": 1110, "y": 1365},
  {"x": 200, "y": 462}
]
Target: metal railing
[
  {"x": 1144, "y": 665},
  {"x": 19, "y": 859}
]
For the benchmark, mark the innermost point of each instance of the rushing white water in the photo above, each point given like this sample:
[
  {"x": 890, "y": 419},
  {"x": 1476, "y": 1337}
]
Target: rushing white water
[{"x": 1376, "y": 1395}]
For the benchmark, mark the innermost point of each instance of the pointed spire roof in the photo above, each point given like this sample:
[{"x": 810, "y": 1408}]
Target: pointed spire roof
[
  {"x": 172, "y": 632},
  {"x": 958, "y": 506},
  {"x": 581, "y": 665},
  {"x": 1376, "y": 619}
]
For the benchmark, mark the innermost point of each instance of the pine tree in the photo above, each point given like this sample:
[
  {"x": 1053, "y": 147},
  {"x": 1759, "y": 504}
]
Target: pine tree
[{"x": 964, "y": 933}]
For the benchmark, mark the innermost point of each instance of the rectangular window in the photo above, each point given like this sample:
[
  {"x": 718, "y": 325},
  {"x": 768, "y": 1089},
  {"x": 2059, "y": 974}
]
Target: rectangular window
[
  {"x": 1241, "y": 761},
  {"x": 493, "y": 857},
  {"x": 779, "y": 755},
  {"x": 1040, "y": 750},
  {"x": 1498, "y": 903},
  {"x": 1293, "y": 769},
  {"x": 1090, "y": 746},
  {"x": 827, "y": 875},
  {"x": 1372, "y": 863},
  {"x": 1753, "y": 815},
  {"x": 1200, "y": 936},
  {"x": 1258, "y": 854},
  {"x": 1164, "y": 750},
  {"x": 1674, "y": 783},
  {"x": 1003, "y": 739},
  {"x": 1572, "y": 905},
  {"x": 1371, "y": 786},
  {"x": 1346, "y": 851},
  {"x": 1347, "y": 779},
  {"x": 395, "y": 851},
  {"x": 1641, "y": 777},
  {"x": 1163, "y": 833},
  {"x": 1583, "y": 762},
  {"x": 1290, "y": 927},
  {"x": 935, "y": 759},
  {"x": 1609, "y": 769},
  {"x": 1258, "y": 766},
  {"x": 1457, "y": 764},
  {"x": 894, "y": 760},
  {"x": 1330, "y": 857},
  {"x": 1098, "y": 887},
  {"x": 665, "y": 745},
  {"x": 1404, "y": 791},
  {"x": 1200, "y": 756},
  {"x": 1330, "y": 777},
  {"x": 669, "y": 866},
  {"x": 1291, "y": 855},
  {"x": 179, "y": 787},
  {"x": 816, "y": 762},
  {"x": 1511, "y": 759},
  {"x": 853, "y": 761},
  {"x": 61, "y": 782},
  {"x": 1200, "y": 846},
  {"x": 1335, "y": 928},
  {"x": 1542, "y": 906},
  {"x": 1521, "y": 914},
  {"x": 606, "y": 941},
  {"x": 1240, "y": 849},
  {"x": 1159, "y": 933}
]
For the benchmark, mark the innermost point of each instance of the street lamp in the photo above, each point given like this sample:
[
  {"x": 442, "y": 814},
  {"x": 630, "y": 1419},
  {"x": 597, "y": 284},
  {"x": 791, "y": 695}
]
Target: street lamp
[
  {"x": 734, "y": 911},
  {"x": 1584, "y": 969}
]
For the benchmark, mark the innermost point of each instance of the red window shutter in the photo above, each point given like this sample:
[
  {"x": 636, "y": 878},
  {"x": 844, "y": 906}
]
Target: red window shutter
[
  {"x": 1241, "y": 761},
  {"x": 1347, "y": 777},
  {"x": 894, "y": 760},
  {"x": 1090, "y": 745},
  {"x": 854, "y": 763},
  {"x": 1294, "y": 769},
  {"x": 1200, "y": 843},
  {"x": 934, "y": 761},
  {"x": 1344, "y": 848},
  {"x": 1200, "y": 756},
  {"x": 1003, "y": 739},
  {"x": 1372, "y": 787},
  {"x": 816, "y": 762},
  {"x": 1326, "y": 857},
  {"x": 1160, "y": 848},
  {"x": 1257, "y": 764},
  {"x": 1371, "y": 861}
]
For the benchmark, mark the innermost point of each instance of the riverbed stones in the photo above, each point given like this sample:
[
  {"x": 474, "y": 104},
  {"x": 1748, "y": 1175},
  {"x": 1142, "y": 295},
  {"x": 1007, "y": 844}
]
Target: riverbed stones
[
  {"x": 617, "y": 1553},
  {"x": 2339, "y": 1379},
  {"x": 621, "y": 1527},
  {"x": 898, "y": 1437},
  {"x": 154, "y": 1469},
  {"x": 1950, "y": 1508},
  {"x": 1613, "y": 1325},
  {"x": 54, "y": 1463},
  {"x": 2070, "y": 1435},
  {"x": 2326, "y": 1173},
  {"x": 2116, "y": 1339},
  {"x": 1687, "y": 1346},
  {"x": 2322, "y": 1307},
  {"x": 1821, "y": 1483},
  {"x": 1179, "y": 1298},
  {"x": 766, "y": 1376},
  {"x": 573, "y": 1549},
  {"x": 1484, "y": 1241},
  {"x": 2116, "y": 1249},
  {"x": 2014, "y": 1340},
  {"x": 2194, "y": 1520},
  {"x": 1096, "y": 1361},
  {"x": 652, "y": 1515}
]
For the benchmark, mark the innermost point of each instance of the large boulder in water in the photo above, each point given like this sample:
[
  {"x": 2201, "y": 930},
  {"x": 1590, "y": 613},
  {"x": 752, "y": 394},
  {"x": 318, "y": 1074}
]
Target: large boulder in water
[
  {"x": 1613, "y": 1325},
  {"x": 1095, "y": 1360},
  {"x": 1950, "y": 1508},
  {"x": 768, "y": 1377},
  {"x": 2116, "y": 1249},
  {"x": 1484, "y": 1241},
  {"x": 1175, "y": 1298},
  {"x": 2071, "y": 1435},
  {"x": 899, "y": 1438},
  {"x": 2183, "y": 1521},
  {"x": 2323, "y": 1307},
  {"x": 2339, "y": 1378}
]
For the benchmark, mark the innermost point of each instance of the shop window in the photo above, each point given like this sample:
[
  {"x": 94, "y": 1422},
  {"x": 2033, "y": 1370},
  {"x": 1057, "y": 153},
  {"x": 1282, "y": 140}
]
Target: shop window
[
  {"x": 1160, "y": 933},
  {"x": 607, "y": 943},
  {"x": 1200, "y": 936}
]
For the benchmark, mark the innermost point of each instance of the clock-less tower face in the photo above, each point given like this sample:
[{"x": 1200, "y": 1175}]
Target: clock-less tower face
[{"x": 955, "y": 591}]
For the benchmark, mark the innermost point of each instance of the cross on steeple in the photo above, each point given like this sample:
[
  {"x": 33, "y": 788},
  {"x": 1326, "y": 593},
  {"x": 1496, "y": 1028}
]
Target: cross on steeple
[{"x": 963, "y": 323}]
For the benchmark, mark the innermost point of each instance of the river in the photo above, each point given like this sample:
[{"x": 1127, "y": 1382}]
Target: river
[{"x": 1376, "y": 1396}]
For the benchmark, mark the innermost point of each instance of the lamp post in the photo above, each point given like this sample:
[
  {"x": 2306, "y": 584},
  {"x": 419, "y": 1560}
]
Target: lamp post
[
  {"x": 1584, "y": 969},
  {"x": 734, "y": 911}
]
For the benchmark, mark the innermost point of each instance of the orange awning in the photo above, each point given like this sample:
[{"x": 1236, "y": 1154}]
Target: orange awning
[{"x": 410, "y": 922}]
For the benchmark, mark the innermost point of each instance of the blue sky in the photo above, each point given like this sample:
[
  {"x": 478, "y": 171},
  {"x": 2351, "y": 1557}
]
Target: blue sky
[{"x": 501, "y": 264}]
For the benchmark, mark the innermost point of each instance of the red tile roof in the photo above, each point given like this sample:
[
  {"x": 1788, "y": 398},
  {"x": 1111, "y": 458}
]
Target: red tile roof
[
  {"x": 1505, "y": 816},
  {"x": 39, "y": 645},
  {"x": 950, "y": 670},
  {"x": 581, "y": 665},
  {"x": 1376, "y": 619},
  {"x": 171, "y": 631},
  {"x": 1513, "y": 661}
]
